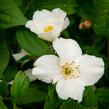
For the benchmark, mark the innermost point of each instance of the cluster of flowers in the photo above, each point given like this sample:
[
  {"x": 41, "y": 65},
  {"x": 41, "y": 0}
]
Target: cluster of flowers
[{"x": 71, "y": 71}]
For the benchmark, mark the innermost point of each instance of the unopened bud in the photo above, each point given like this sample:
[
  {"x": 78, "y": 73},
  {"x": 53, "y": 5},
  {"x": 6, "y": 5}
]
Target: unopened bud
[
  {"x": 81, "y": 25},
  {"x": 85, "y": 24},
  {"x": 88, "y": 23}
]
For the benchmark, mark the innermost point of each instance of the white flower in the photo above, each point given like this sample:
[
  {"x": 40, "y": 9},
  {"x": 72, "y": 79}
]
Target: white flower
[
  {"x": 48, "y": 24},
  {"x": 72, "y": 71},
  {"x": 20, "y": 55}
]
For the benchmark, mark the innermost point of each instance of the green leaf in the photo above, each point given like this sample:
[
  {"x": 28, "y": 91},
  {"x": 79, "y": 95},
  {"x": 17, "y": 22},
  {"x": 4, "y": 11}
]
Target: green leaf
[
  {"x": 31, "y": 43},
  {"x": 101, "y": 22},
  {"x": 2, "y": 105},
  {"x": 3, "y": 88},
  {"x": 98, "y": 13},
  {"x": 10, "y": 14},
  {"x": 85, "y": 9},
  {"x": 4, "y": 56},
  {"x": 20, "y": 85},
  {"x": 90, "y": 99},
  {"x": 103, "y": 97},
  {"x": 32, "y": 94},
  {"x": 92, "y": 51},
  {"x": 71, "y": 104},
  {"x": 51, "y": 100},
  {"x": 69, "y": 6},
  {"x": 22, "y": 93},
  {"x": 19, "y": 2},
  {"x": 10, "y": 72}
]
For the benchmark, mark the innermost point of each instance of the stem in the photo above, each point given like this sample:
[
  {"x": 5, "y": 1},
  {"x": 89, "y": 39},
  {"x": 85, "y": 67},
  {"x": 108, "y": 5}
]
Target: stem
[{"x": 14, "y": 106}]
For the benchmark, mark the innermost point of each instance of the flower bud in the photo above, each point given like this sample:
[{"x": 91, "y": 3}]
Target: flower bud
[{"x": 85, "y": 24}]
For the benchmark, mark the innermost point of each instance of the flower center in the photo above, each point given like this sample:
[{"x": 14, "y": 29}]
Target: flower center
[
  {"x": 67, "y": 71},
  {"x": 70, "y": 70},
  {"x": 49, "y": 28}
]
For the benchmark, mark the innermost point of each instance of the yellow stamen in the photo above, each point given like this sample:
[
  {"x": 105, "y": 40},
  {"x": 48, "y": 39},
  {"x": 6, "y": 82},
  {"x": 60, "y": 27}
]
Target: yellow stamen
[
  {"x": 68, "y": 70},
  {"x": 49, "y": 28}
]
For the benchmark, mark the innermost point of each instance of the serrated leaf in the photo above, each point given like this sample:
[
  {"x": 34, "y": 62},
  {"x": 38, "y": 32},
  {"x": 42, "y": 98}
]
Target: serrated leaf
[
  {"x": 10, "y": 14},
  {"x": 20, "y": 85},
  {"x": 51, "y": 100},
  {"x": 31, "y": 43}
]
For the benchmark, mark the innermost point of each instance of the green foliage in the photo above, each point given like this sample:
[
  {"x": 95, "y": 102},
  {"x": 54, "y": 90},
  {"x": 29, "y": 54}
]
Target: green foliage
[
  {"x": 31, "y": 43},
  {"x": 24, "y": 94},
  {"x": 20, "y": 85},
  {"x": 101, "y": 24},
  {"x": 3, "y": 89},
  {"x": 103, "y": 97},
  {"x": 31, "y": 95},
  {"x": 68, "y": 6},
  {"x": 10, "y": 72},
  {"x": 10, "y": 14},
  {"x": 2, "y": 106},
  {"x": 89, "y": 98},
  {"x": 98, "y": 13},
  {"x": 51, "y": 99},
  {"x": 71, "y": 104},
  {"x": 4, "y": 55}
]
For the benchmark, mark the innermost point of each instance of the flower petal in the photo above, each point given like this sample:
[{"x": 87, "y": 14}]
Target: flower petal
[
  {"x": 49, "y": 36},
  {"x": 59, "y": 14},
  {"x": 20, "y": 55},
  {"x": 28, "y": 73},
  {"x": 91, "y": 69},
  {"x": 70, "y": 88},
  {"x": 47, "y": 68},
  {"x": 41, "y": 16},
  {"x": 33, "y": 26},
  {"x": 43, "y": 19},
  {"x": 66, "y": 23},
  {"x": 67, "y": 49}
]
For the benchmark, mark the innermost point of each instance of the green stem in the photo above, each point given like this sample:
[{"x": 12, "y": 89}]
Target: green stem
[{"x": 14, "y": 106}]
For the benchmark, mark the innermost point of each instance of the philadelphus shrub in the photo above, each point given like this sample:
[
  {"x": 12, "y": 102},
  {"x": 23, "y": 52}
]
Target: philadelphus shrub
[
  {"x": 70, "y": 70},
  {"x": 48, "y": 25}
]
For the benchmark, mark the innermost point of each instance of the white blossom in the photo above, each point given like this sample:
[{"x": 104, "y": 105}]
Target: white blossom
[
  {"x": 48, "y": 24},
  {"x": 71, "y": 71}
]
